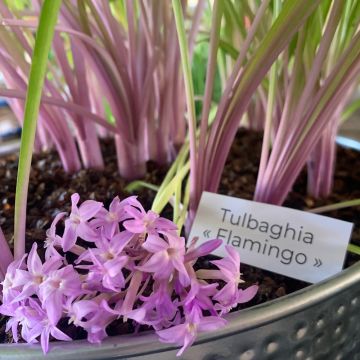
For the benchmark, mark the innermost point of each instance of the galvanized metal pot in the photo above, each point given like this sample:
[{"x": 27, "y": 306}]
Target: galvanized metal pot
[{"x": 321, "y": 322}]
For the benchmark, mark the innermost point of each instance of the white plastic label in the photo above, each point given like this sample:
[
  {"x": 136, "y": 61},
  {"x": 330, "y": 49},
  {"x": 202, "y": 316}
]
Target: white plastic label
[{"x": 294, "y": 243}]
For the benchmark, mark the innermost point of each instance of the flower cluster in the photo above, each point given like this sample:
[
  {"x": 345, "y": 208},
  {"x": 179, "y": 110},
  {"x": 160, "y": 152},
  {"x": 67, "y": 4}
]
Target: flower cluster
[{"x": 125, "y": 263}]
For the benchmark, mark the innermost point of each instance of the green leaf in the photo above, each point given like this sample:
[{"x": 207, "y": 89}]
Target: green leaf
[
  {"x": 189, "y": 88},
  {"x": 332, "y": 207},
  {"x": 44, "y": 35},
  {"x": 138, "y": 184},
  {"x": 354, "y": 249},
  {"x": 164, "y": 197},
  {"x": 350, "y": 110}
]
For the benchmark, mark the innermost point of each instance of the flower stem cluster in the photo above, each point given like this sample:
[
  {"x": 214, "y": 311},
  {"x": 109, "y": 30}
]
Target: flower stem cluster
[{"x": 129, "y": 264}]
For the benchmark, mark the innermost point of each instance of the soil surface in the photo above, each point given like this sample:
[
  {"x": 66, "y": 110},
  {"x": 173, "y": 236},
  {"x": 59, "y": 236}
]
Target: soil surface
[{"x": 50, "y": 189}]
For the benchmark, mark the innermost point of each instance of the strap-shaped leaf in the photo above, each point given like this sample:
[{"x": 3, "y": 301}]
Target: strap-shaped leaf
[{"x": 44, "y": 37}]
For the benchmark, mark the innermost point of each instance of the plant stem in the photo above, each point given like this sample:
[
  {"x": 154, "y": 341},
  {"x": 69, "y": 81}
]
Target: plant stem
[
  {"x": 209, "y": 86},
  {"x": 353, "y": 249},
  {"x": 189, "y": 91},
  {"x": 44, "y": 37},
  {"x": 332, "y": 207}
]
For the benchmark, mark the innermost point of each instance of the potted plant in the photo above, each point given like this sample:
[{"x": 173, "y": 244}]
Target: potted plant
[{"x": 258, "y": 332}]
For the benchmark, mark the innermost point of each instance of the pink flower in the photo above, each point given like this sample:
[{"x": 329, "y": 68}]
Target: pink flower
[
  {"x": 142, "y": 273},
  {"x": 34, "y": 322},
  {"x": 110, "y": 219},
  {"x": 21, "y": 315},
  {"x": 185, "y": 334},
  {"x": 10, "y": 276},
  {"x": 200, "y": 296},
  {"x": 107, "y": 248},
  {"x": 168, "y": 256},
  {"x": 230, "y": 295},
  {"x": 52, "y": 239},
  {"x": 160, "y": 307},
  {"x": 42, "y": 325},
  {"x": 79, "y": 311},
  {"x": 92, "y": 317},
  {"x": 77, "y": 225},
  {"x": 136, "y": 314},
  {"x": 57, "y": 285},
  {"x": 108, "y": 274},
  {"x": 28, "y": 281},
  {"x": 146, "y": 222}
]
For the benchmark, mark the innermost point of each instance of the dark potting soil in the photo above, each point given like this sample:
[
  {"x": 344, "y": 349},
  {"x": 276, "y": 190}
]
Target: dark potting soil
[{"x": 50, "y": 189}]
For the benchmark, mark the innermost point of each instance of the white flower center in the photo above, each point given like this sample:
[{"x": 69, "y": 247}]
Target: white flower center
[
  {"x": 75, "y": 219},
  {"x": 192, "y": 328}
]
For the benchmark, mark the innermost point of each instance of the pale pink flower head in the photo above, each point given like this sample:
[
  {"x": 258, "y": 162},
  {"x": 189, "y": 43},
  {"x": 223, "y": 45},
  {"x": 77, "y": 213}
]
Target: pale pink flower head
[{"x": 136, "y": 269}]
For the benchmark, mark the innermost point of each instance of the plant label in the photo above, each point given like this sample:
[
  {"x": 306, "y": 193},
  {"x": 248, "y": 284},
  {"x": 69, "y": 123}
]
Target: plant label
[{"x": 294, "y": 243}]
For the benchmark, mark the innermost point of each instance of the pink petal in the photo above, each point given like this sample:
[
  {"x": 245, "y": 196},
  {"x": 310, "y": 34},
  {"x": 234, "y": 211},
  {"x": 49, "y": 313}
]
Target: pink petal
[
  {"x": 134, "y": 212},
  {"x": 13, "y": 325},
  {"x": 89, "y": 209},
  {"x": 226, "y": 266},
  {"x": 120, "y": 240},
  {"x": 164, "y": 224},
  {"x": 227, "y": 294},
  {"x": 188, "y": 341},
  {"x": 138, "y": 315},
  {"x": 134, "y": 226},
  {"x": 74, "y": 201},
  {"x": 174, "y": 240},
  {"x": 54, "y": 307},
  {"x": 180, "y": 267},
  {"x": 132, "y": 200},
  {"x": 34, "y": 263},
  {"x": 115, "y": 266},
  {"x": 84, "y": 307},
  {"x": 154, "y": 244},
  {"x": 211, "y": 323},
  {"x": 45, "y": 340},
  {"x": 52, "y": 263},
  {"x": 157, "y": 263},
  {"x": 86, "y": 232},
  {"x": 28, "y": 290},
  {"x": 202, "y": 250},
  {"x": 114, "y": 204},
  {"x": 247, "y": 294},
  {"x": 57, "y": 218},
  {"x": 175, "y": 334},
  {"x": 69, "y": 237},
  {"x": 59, "y": 335},
  {"x": 233, "y": 254},
  {"x": 22, "y": 277}
]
